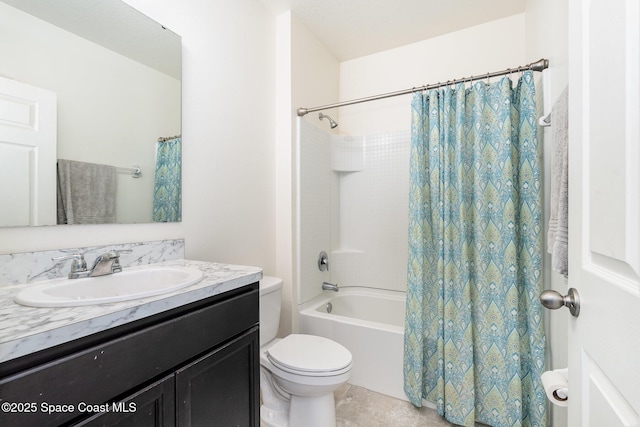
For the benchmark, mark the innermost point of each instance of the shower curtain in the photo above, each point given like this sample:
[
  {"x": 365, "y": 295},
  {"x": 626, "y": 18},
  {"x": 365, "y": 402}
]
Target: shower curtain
[
  {"x": 167, "y": 191},
  {"x": 474, "y": 339}
]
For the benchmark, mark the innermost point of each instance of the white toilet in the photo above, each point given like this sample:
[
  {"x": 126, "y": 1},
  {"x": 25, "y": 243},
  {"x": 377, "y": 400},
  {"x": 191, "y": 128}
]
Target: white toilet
[{"x": 298, "y": 373}]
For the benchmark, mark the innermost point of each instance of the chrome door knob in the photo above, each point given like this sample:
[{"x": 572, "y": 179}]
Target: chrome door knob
[{"x": 554, "y": 300}]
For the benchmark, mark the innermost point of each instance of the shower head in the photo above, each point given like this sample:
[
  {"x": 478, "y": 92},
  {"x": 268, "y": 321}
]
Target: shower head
[{"x": 331, "y": 121}]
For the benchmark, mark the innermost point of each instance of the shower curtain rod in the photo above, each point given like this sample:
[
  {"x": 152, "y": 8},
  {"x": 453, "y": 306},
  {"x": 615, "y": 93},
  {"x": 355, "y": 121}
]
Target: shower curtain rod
[
  {"x": 168, "y": 138},
  {"x": 534, "y": 66}
]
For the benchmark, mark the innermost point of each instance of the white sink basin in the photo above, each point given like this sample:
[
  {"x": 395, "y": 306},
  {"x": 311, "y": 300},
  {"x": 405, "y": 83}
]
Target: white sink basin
[{"x": 131, "y": 283}]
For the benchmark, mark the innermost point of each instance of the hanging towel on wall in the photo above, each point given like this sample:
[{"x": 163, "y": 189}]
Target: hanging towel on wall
[
  {"x": 558, "y": 235},
  {"x": 86, "y": 193}
]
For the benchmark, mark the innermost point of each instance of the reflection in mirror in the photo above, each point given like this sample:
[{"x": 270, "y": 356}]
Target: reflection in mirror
[{"x": 90, "y": 91}]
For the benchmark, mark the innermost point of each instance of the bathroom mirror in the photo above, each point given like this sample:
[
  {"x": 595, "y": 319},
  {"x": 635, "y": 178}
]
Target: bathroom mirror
[{"x": 116, "y": 75}]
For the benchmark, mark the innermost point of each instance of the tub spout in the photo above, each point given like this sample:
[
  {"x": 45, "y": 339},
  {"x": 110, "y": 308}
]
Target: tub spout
[{"x": 329, "y": 287}]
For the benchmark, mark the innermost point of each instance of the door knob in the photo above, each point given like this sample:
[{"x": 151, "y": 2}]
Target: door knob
[{"x": 554, "y": 300}]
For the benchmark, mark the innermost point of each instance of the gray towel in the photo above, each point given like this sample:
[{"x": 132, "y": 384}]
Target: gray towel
[
  {"x": 558, "y": 235},
  {"x": 86, "y": 193}
]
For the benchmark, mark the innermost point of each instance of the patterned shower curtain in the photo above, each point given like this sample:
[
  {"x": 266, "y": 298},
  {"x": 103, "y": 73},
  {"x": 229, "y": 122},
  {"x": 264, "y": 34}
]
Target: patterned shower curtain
[
  {"x": 474, "y": 339},
  {"x": 167, "y": 191}
]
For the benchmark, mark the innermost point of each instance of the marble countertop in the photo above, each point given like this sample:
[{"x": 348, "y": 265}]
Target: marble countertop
[{"x": 24, "y": 330}]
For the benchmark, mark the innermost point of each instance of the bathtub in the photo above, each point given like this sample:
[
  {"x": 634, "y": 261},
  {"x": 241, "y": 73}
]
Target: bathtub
[{"x": 370, "y": 323}]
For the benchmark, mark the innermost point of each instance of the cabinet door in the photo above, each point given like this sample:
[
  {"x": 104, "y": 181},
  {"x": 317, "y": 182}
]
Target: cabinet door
[
  {"x": 223, "y": 387},
  {"x": 153, "y": 406}
]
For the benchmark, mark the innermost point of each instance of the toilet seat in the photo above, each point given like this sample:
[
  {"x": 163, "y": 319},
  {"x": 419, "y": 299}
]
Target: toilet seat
[{"x": 309, "y": 355}]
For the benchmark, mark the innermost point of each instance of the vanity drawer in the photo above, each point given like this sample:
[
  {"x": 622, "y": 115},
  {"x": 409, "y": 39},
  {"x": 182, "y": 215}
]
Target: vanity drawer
[{"x": 107, "y": 371}]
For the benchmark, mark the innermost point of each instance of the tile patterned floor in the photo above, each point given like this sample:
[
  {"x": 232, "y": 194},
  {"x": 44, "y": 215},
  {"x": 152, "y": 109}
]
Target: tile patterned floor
[{"x": 359, "y": 407}]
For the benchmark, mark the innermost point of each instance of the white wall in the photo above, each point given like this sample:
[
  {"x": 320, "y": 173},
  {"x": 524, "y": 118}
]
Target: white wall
[
  {"x": 315, "y": 203},
  {"x": 285, "y": 165},
  {"x": 547, "y": 36},
  {"x": 307, "y": 76},
  {"x": 228, "y": 135},
  {"x": 228, "y": 127},
  {"x": 111, "y": 109},
  {"x": 488, "y": 47}
]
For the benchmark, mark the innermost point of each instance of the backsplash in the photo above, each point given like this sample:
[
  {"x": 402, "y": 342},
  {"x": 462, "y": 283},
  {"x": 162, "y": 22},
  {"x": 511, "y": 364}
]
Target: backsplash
[{"x": 37, "y": 266}]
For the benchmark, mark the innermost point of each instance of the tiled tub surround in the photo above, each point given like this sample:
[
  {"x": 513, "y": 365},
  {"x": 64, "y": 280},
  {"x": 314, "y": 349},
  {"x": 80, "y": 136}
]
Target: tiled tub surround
[{"x": 24, "y": 330}]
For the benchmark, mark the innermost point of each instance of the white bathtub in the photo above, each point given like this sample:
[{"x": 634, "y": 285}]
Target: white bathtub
[{"x": 370, "y": 323}]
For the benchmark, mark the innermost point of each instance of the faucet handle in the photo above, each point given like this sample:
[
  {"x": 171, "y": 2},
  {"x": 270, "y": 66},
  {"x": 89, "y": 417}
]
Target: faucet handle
[
  {"x": 115, "y": 255},
  {"x": 79, "y": 265}
]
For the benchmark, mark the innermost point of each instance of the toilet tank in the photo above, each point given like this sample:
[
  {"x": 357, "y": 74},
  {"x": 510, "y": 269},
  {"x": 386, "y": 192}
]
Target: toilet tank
[{"x": 270, "y": 303}]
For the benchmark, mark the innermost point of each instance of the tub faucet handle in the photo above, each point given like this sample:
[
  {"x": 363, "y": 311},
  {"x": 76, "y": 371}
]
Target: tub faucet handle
[{"x": 323, "y": 261}]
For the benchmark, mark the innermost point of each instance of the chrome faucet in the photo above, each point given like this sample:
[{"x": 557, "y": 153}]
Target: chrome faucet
[
  {"x": 329, "y": 287},
  {"x": 107, "y": 263},
  {"x": 78, "y": 266}
]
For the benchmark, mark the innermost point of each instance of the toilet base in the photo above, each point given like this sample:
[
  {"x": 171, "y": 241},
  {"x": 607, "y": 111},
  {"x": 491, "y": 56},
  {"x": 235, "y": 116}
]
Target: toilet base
[
  {"x": 318, "y": 411},
  {"x": 273, "y": 418}
]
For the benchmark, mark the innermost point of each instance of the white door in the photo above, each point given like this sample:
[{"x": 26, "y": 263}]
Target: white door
[
  {"x": 28, "y": 123},
  {"x": 604, "y": 212}
]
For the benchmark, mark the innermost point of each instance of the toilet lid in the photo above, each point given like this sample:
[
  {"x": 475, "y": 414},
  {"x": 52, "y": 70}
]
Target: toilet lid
[{"x": 309, "y": 353}]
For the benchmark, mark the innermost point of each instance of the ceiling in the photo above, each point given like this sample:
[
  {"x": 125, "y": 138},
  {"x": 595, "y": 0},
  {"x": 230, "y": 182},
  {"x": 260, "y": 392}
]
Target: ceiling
[{"x": 355, "y": 28}]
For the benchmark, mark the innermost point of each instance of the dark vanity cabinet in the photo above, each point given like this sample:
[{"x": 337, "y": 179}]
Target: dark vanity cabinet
[
  {"x": 196, "y": 365},
  {"x": 153, "y": 406}
]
